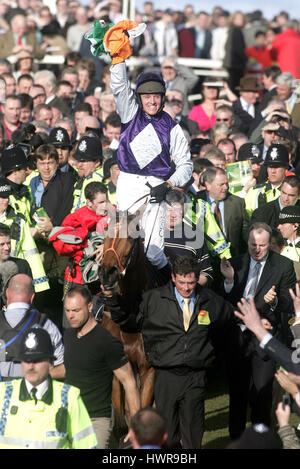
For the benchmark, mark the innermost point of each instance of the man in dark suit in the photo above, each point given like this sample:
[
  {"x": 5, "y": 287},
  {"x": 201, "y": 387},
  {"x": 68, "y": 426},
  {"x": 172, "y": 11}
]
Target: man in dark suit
[
  {"x": 269, "y": 212},
  {"x": 247, "y": 106},
  {"x": 229, "y": 210},
  {"x": 265, "y": 276},
  {"x": 269, "y": 76},
  {"x": 202, "y": 36},
  {"x": 272, "y": 346}
]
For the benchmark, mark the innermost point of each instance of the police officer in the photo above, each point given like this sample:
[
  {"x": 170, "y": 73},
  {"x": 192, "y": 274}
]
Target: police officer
[
  {"x": 251, "y": 152},
  {"x": 14, "y": 162},
  {"x": 289, "y": 226},
  {"x": 59, "y": 137},
  {"x": 38, "y": 412},
  {"x": 23, "y": 245},
  {"x": 277, "y": 163},
  {"x": 89, "y": 156},
  {"x": 199, "y": 216}
]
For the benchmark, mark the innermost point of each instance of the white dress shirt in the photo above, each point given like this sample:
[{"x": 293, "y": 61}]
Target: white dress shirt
[
  {"x": 41, "y": 388},
  {"x": 248, "y": 107}
]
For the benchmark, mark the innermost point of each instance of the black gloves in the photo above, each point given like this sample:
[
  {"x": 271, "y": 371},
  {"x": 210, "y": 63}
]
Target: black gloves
[{"x": 158, "y": 193}]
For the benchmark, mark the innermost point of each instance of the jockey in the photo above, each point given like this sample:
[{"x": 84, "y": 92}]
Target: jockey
[{"x": 153, "y": 152}]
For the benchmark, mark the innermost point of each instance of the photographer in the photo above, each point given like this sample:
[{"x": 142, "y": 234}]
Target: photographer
[{"x": 286, "y": 432}]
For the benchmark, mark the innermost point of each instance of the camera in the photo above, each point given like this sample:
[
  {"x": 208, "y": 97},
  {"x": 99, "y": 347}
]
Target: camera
[{"x": 286, "y": 400}]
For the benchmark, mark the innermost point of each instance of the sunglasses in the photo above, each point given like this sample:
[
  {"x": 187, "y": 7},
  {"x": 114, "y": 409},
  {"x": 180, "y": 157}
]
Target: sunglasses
[{"x": 176, "y": 102}]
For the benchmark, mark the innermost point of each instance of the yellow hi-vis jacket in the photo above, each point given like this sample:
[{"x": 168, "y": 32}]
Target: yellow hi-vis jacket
[
  {"x": 199, "y": 215},
  {"x": 58, "y": 421},
  {"x": 23, "y": 246},
  {"x": 259, "y": 195},
  {"x": 23, "y": 205},
  {"x": 78, "y": 194}
]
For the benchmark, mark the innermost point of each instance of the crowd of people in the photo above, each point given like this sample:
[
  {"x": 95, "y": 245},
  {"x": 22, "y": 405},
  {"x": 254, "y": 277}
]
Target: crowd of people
[{"x": 215, "y": 182}]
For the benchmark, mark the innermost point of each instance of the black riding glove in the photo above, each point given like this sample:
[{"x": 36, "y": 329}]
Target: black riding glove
[{"x": 158, "y": 193}]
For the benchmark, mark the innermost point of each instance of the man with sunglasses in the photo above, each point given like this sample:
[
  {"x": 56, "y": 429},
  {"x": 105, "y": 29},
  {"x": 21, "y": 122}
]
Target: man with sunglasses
[{"x": 224, "y": 114}]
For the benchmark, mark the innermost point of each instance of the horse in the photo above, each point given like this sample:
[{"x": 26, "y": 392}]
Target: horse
[{"x": 123, "y": 270}]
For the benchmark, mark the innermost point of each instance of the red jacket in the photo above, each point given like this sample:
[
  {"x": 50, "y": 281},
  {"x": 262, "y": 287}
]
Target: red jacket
[
  {"x": 78, "y": 224},
  {"x": 262, "y": 55},
  {"x": 286, "y": 51}
]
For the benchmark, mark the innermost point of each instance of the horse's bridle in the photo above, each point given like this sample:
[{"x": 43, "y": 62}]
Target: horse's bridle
[{"x": 122, "y": 269}]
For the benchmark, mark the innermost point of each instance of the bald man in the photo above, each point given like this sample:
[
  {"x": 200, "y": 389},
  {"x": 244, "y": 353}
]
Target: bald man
[
  {"x": 16, "y": 319},
  {"x": 87, "y": 123},
  {"x": 94, "y": 102}
]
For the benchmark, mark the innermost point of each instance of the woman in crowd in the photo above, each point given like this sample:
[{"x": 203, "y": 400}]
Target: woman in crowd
[{"x": 204, "y": 113}]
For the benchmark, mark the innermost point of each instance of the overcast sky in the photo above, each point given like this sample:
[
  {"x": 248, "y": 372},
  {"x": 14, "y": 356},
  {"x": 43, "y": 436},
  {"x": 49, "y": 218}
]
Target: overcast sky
[{"x": 268, "y": 7}]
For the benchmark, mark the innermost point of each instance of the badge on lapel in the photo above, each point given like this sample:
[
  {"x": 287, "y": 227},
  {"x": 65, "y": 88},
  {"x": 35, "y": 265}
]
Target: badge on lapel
[{"x": 203, "y": 318}]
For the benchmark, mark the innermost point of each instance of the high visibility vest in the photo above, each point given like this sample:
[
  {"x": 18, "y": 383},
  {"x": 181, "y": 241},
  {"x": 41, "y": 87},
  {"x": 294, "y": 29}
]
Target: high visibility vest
[
  {"x": 78, "y": 194},
  {"x": 23, "y": 205},
  {"x": 32, "y": 175},
  {"x": 58, "y": 421},
  {"x": 292, "y": 252},
  {"x": 199, "y": 215},
  {"x": 23, "y": 246},
  {"x": 259, "y": 195}
]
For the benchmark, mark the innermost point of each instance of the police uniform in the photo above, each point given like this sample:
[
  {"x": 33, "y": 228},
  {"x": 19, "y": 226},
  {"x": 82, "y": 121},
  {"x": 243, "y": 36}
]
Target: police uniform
[
  {"x": 291, "y": 214},
  {"x": 21, "y": 200},
  {"x": 292, "y": 250},
  {"x": 247, "y": 152},
  {"x": 89, "y": 149},
  {"x": 277, "y": 156},
  {"x": 23, "y": 245},
  {"x": 200, "y": 217},
  {"x": 48, "y": 416}
]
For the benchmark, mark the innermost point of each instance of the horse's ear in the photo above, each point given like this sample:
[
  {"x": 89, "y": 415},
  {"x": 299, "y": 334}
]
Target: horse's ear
[{"x": 140, "y": 212}]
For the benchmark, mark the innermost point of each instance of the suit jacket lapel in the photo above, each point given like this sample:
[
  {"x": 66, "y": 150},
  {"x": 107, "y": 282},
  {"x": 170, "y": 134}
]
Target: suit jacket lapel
[
  {"x": 266, "y": 273},
  {"x": 227, "y": 211},
  {"x": 244, "y": 272}
]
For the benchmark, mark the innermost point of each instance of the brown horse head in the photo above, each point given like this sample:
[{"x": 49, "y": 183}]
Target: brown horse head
[{"x": 122, "y": 246}]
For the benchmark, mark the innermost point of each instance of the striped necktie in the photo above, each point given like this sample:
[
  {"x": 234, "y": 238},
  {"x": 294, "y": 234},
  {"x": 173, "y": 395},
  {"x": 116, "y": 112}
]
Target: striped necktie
[
  {"x": 253, "y": 286},
  {"x": 218, "y": 216}
]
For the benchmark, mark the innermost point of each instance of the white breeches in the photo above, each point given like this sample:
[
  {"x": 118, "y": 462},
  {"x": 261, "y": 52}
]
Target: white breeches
[{"x": 130, "y": 188}]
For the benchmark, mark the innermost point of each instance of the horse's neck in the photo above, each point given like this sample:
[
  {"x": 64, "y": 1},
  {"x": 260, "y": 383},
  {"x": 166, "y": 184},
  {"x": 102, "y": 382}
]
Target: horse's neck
[
  {"x": 135, "y": 281},
  {"x": 133, "y": 284}
]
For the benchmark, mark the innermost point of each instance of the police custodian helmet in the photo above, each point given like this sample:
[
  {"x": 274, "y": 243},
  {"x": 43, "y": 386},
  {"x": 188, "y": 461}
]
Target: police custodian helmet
[{"x": 35, "y": 346}]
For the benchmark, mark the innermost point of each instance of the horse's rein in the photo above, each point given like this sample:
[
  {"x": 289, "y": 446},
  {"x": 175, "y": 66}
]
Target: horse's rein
[
  {"x": 122, "y": 269},
  {"x": 138, "y": 200},
  {"x": 112, "y": 249}
]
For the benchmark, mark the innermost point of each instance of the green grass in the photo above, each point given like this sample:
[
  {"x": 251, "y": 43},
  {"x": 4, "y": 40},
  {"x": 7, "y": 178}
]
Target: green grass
[{"x": 216, "y": 434}]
